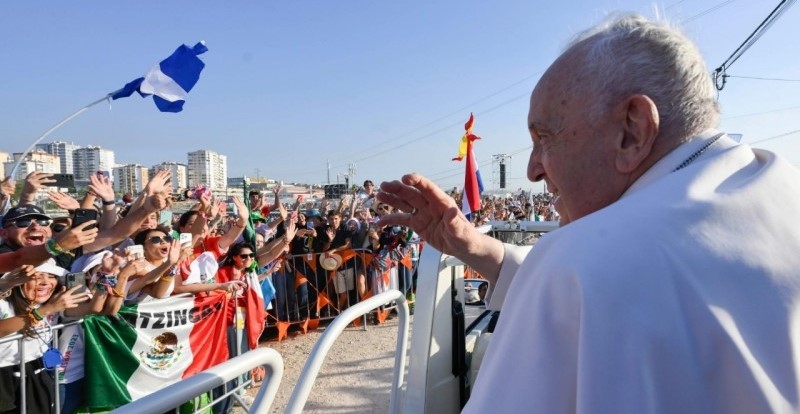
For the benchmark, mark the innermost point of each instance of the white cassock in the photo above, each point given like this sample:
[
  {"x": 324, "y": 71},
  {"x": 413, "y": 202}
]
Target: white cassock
[{"x": 681, "y": 297}]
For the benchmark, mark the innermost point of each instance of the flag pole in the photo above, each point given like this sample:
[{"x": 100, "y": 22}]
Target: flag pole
[{"x": 49, "y": 131}]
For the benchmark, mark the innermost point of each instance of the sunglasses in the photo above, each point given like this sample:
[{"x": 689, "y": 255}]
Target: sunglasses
[
  {"x": 385, "y": 208},
  {"x": 25, "y": 223},
  {"x": 157, "y": 240},
  {"x": 248, "y": 255},
  {"x": 58, "y": 228}
]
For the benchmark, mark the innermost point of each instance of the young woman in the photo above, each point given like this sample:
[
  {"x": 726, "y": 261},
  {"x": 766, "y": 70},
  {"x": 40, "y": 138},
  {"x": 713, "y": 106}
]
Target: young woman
[
  {"x": 153, "y": 274},
  {"x": 244, "y": 316},
  {"x": 30, "y": 309}
]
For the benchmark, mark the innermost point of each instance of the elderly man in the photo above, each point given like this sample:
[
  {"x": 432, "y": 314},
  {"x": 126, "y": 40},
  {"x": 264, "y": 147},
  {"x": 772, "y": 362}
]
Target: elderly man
[{"x": 674, "y": 282}]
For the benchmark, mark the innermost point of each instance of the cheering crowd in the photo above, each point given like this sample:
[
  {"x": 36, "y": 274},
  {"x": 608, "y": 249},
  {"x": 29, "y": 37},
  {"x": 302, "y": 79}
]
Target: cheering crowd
[{"x": 102, "y": 255}]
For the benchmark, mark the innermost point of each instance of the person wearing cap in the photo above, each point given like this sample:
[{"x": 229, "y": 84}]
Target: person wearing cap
[
  {"x": 30, "y": 309},
  {"x": 28, "y": 238}
]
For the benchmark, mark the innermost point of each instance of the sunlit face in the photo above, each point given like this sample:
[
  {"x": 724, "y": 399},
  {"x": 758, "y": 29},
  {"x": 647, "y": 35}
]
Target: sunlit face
[
  {"x": 150, "y": 222},
  {"x": 335, "y": 221},
  {"x": 259, "y": 240},
  {"x": 40, "y": 287},
  {"x": 35, "y": 232},
  {"x": 571, "y": 154},
  {"x": 156, "y": 246},
  {"x": 383, "y": 209},
  {"x": 244, "y": 258}
]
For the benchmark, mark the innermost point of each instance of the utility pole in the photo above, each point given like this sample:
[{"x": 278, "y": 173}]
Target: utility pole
[
  {"x": 329, "y": 171},
  {"x": 351, "y": 173},
  {"x": 499, "y": 170}
]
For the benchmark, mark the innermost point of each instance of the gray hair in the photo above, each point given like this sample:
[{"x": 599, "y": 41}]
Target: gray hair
[{"x": 629, "y": 54}]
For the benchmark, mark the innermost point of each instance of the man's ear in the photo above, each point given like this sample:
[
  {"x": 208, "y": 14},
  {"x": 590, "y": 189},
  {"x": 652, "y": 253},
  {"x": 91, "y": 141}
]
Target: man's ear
[{"x": 640, "y": 128}]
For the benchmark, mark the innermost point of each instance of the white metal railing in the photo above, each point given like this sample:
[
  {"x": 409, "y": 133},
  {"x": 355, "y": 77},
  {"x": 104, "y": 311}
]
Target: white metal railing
[
  {"x": 317, "y": 356},
  {"x": 176, "y": 394}
]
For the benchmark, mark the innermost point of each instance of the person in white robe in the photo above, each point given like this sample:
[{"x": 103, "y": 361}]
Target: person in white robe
[{"x": 673, "y": 284}]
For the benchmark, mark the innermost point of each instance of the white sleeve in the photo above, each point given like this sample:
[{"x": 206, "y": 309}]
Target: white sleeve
[{"x": 513, "y": 257}]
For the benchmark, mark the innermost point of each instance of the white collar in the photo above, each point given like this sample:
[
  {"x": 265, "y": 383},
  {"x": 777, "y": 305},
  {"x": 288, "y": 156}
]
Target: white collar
[{"x": 677, "y": 156}]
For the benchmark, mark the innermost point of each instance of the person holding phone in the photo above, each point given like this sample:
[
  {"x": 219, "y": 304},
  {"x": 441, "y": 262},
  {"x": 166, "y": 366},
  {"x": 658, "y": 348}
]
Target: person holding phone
[
  {"x": 28, "y": 238},
  {"x": 30, "y": 309}
]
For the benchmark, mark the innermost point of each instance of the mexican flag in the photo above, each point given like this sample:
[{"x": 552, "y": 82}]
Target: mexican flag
[{"x": 151, "y": 345}]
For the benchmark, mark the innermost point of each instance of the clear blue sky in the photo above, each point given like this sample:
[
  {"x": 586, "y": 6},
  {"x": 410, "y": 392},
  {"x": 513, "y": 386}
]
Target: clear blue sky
[{"x": 386, "y": 85}]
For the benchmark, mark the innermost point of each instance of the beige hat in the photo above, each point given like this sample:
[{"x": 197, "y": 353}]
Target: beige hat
[{"x": 330, "y": 261}]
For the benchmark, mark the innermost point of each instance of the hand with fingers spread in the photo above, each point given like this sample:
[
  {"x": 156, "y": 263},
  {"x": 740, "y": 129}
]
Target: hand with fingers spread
[
  {"x": 241, "y": 209},
  {"x": 63, "y": 200},
  {"x": 158, "y": 184},
  {"x": 77, "y": 236},
  {"x": 100, "y": 186},
  {"x": 36, "y": 181},
  {"x": 434, "y": 215}
]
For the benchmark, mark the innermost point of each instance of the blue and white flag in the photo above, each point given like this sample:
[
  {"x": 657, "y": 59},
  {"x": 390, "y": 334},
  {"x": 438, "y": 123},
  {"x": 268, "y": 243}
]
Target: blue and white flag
[{"x": 169, "y": 81}]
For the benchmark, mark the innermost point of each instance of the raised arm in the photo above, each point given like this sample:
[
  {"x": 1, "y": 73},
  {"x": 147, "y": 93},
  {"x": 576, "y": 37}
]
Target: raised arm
[
  {"x": 437, "y": 219},
  {"x": 128, "y": 224}
]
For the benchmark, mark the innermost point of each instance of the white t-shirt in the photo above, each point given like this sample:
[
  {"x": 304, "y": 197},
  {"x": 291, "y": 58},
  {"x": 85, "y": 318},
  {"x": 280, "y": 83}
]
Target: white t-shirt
[
  {"x": 71, "y": 345},
  {"x": 34, "y": 346}
]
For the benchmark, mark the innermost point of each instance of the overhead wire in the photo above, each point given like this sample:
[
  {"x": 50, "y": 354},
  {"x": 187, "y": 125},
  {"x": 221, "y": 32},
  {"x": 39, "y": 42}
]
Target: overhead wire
[
  {"x": 720, "y": 75},
  {"x": 785, "y": 134},
  {"x": 707, "y": 11}
]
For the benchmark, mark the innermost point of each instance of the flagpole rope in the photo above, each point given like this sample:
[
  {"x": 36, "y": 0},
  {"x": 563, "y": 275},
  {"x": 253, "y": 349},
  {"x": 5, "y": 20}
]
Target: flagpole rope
[{"x": 49, "y": 131}]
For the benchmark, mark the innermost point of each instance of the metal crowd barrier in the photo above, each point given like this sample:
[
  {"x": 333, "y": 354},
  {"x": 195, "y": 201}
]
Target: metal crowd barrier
[
  {"x": 57, "y": 328},
  {"x": 19, "y": 338},
  {"x": 304, "y": 290}
]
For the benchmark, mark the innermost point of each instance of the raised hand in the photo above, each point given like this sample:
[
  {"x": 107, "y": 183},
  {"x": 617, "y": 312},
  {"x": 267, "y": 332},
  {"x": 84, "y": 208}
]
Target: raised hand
[
  {"x": 35, "y": 181},
  {"x": 158, "y": 184},
  {"x": 240, "y": 207},
  {"x": 63, "y": 200},
  {"x": 101, "y": 187},
  {"x": 432, "y": 213}
]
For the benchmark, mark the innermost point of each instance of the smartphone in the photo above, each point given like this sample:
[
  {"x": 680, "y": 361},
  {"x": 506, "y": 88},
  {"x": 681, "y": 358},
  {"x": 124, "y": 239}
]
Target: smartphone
[
  {"x": 62, "y": 181},
  {"x": 136, "y": 251},
  {"x": 185, "y": 239},
  {"x": 310, "y": 225},
  {"x": 82, "y": 215},
  {"x": 76, "y": 279}
]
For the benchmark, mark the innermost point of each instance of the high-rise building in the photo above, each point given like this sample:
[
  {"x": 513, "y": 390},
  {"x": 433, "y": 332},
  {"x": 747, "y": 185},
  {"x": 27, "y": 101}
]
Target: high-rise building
[
  {"x": 65, "y": 151},
  {"x": 130, "y": 178},
  {"x": 179, "y": 178},
  {"x": 4, "y": 158},
  {"x": 91, "y": 159},
  {"x": 36, "y": 160},
  {"x": 209, "y": 169}
]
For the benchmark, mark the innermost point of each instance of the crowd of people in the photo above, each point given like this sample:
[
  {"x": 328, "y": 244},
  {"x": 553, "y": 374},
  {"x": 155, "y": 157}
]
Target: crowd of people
[
  {"x": 646, "y": 299},
  {"x": 100, "y": 256}
]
